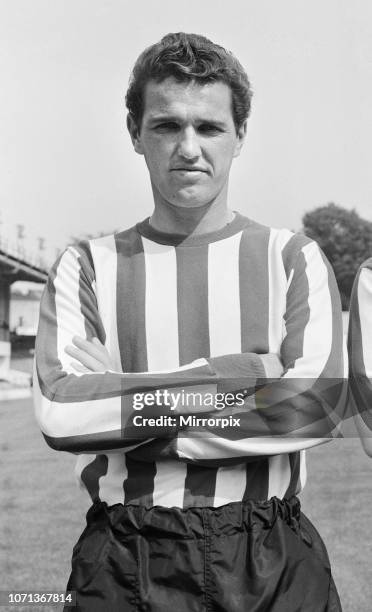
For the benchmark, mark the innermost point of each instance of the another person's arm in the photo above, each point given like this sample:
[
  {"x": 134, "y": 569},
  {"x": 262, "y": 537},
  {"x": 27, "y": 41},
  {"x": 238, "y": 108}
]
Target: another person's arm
[{"x": 360, "y": 352}]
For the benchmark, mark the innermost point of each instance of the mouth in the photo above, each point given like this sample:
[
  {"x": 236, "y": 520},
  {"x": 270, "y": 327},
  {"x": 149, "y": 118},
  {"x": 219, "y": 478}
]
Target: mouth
[{"x": 189, "y": 170}]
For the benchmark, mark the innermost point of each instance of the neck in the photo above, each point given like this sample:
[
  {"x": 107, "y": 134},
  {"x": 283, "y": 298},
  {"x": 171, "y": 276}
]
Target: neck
[{"x": 173, "y": 219}]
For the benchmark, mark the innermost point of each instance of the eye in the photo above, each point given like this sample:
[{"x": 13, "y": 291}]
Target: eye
[
  {"x": 209, "y": 128},
  {"x": 166, "y": 126}
]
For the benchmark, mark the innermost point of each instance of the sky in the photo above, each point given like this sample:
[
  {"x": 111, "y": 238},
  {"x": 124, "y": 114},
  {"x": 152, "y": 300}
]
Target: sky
[{"x": 67, "y": 163}]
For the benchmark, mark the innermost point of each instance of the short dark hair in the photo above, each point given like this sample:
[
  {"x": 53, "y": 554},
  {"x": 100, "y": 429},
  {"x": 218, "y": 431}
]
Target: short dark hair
[{"x": 189, "y": 57}]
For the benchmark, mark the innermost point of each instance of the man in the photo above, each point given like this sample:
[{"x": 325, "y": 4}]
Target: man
[
  {"x": 230, "y": 331},
  {"x": 360, "y": 351}
]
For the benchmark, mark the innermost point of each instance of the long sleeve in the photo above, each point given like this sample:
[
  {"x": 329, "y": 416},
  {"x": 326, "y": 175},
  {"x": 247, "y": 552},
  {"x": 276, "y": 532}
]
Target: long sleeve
[
  {"x": 360, "y": 351},
  {"x": 94, "y": 412},
  {"x": 303, "y": 407}
]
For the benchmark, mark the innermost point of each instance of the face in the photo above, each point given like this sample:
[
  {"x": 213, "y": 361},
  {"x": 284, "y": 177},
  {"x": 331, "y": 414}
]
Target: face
[{"x": 188, "y": 138}]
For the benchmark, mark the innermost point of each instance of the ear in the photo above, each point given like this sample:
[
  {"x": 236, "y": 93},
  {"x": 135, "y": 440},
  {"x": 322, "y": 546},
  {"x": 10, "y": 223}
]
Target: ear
[
  {"x": 240, "y": 138},
  {"x": 135, "y": 135}
]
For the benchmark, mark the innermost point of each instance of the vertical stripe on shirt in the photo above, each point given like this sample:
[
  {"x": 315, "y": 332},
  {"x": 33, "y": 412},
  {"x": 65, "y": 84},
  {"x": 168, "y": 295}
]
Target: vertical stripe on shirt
[
  {"x": 199, "y": 486},
  {"x": 161, "y": 306},
  {"x": 277, "y": 288},
  {"x": 295, "y": 484},
  {"x": 257, "y": 474},
  {"x": 303, "y": 469},
  {"x": 254, "y": 288},
  {"x": 92, "y": 473},
  {"x": 231, "y": 482},
  {"x": 320, "y": 311},
  {"x": 279, "y": 475},
  {"x": 46, "y": 339},
  {"x": 223, "y": 296},
  {"x": 105, "y": 264},
  {"x": 139, "y": 482},
  {"x": 93, "y": 328},
  {"x": 75, "y": 320},
  {"x": 111, "y": 484},
  {"x": 296, "y": 320},
  {"x": 169, "y": 483},
  {"x": 192, "y": 303},
  {"x": 130, "y": 302}
]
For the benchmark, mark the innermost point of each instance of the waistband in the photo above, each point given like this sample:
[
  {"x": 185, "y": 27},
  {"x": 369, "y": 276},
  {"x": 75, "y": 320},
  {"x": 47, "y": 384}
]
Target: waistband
[{"x": 195, "y": 522}]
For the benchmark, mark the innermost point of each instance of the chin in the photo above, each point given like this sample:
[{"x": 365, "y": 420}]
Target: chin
[{"x": 190, "y": 200}]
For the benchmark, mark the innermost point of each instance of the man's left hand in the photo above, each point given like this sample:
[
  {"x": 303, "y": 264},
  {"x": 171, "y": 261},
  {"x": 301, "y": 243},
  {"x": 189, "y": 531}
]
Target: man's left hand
[{"x": 90, "y": 355}]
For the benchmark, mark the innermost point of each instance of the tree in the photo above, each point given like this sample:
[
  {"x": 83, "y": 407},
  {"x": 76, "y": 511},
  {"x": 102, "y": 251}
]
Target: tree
[{"x": 346, "y": 240}]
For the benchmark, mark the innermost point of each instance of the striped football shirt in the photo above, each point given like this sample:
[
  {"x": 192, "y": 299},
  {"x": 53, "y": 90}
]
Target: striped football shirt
[
  {"x": 198, "y": 313},
  {"x": 360, "y": 346}
]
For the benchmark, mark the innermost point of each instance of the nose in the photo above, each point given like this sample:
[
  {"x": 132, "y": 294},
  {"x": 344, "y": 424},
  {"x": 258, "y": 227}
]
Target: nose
[{"x": 188, "y": 146}]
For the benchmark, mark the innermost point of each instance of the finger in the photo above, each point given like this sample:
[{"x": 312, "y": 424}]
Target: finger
[
  {"x": 85, "y": 359},
  {"x": 96, "y": 351},
  {"x": 80, "y": 368},
  {"x": 97, "y": 341}
]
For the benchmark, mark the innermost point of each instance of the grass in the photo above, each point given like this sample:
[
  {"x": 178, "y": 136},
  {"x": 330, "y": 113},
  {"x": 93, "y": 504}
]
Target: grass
[
  {"x": 43, "y": 513},
  {"x": 337, "y": 499}
]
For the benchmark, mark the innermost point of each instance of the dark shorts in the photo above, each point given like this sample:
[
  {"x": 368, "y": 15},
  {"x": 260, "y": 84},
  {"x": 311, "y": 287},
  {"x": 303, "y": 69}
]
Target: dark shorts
[{"x": 242, "y": 557}]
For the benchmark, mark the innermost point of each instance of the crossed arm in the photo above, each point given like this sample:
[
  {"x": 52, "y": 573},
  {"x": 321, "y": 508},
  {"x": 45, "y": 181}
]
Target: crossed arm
[{"x": 89, "y": 407}]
